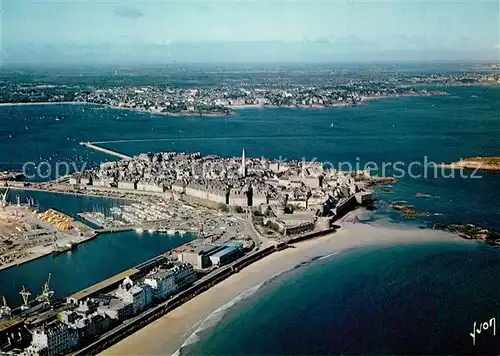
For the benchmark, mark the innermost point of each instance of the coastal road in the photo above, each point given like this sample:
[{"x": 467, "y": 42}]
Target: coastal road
[{"x": 250, "y": 230}]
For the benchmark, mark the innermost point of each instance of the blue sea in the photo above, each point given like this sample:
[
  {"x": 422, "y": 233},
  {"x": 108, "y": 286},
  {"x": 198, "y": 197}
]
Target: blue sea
[{"x": 411, "y": 299}]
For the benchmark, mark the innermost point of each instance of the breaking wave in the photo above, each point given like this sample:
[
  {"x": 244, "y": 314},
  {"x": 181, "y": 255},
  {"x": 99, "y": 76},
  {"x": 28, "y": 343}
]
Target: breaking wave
[
  {"x": 328, "y": 256},
  {"x": 213, "y": 319}
]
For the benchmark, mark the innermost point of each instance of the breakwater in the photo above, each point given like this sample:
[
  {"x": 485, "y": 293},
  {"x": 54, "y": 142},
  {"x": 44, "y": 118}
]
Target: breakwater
[{"x": 104, "y": 150}]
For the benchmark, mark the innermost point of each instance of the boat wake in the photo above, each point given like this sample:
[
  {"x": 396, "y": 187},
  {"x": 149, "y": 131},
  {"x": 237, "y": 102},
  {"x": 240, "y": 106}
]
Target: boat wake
[{"x": 215, "y": 318}]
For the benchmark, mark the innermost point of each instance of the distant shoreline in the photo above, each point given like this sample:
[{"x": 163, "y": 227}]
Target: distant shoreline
[
  {"x": 181, "y": 114},
  {"x": 364, "y": 100},
  {"x": 452, "y": 85},
  {"x": 47, "y": 103}
]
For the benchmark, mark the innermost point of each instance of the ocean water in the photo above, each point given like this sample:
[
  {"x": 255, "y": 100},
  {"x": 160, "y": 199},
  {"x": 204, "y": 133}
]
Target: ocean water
[{"x": 404, "y": 299}]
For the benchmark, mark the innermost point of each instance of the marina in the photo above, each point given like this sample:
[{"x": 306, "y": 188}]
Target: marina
[{"x": 168, "y": 217}]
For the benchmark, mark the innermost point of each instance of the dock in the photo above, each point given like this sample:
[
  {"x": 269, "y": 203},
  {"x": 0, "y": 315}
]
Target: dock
[
  {"x": 115, "y": 229},
  {"x": 105, "y": 150}
]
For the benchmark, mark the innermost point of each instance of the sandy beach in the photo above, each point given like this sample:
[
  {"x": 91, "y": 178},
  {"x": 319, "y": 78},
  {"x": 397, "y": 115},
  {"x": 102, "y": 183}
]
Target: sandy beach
[{"x": 166, "y": 335}]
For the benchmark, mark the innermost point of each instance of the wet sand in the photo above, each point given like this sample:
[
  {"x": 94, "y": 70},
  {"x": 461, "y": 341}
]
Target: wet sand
[{"x": 167, "y": 334}]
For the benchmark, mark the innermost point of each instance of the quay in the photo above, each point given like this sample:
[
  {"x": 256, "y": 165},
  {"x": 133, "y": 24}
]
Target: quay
[
  {"x": 103, "y": 286},
  {"x": 37, "y": 234},
  {"x": 49, "y": 250},
  {"x": 115, "y": 229},
  {"x": 105, "y": 150}
]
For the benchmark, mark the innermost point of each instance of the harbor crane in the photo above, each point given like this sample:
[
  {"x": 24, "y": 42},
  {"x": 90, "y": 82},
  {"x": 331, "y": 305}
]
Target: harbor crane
[
  {"x": 25, "y": 294},
  {"x": 4, "y": 201},
  {"x": 30, "y": 201},
  {"x": 5, "y": 311},
  {"x": 46, "y": 292}
]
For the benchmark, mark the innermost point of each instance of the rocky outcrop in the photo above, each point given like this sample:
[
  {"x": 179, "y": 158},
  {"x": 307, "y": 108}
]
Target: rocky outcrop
[{"x": 481, "y": 163}]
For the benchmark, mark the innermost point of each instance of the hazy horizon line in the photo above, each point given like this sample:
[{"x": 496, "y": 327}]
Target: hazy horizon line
[{"x": 297, "y": 63}]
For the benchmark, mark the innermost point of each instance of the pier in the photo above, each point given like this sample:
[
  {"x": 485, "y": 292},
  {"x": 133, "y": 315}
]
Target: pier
[
  {"x": 105, "y": 150},
  {"x": 115, "y": 229}
]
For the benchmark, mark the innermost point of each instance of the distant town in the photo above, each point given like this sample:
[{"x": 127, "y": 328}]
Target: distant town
[{"x": 320, "y": 89}]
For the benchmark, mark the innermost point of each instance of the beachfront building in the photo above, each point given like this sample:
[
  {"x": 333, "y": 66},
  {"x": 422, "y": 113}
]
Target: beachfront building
[
  {"x": 231, "y": 252},
  {"x": 35, "y": 350},
  {"x": 84, "y": 327},
  {"x": 53, "y": 337},
  {"x": 117, "y": 309},
  {"x": 162, "y": 283},
  {"x": 133, "y": 294},
  {"x": 199, "y": 255},
  {"x": 291, "y": 224},
  {"x": 184, "y": 275}
]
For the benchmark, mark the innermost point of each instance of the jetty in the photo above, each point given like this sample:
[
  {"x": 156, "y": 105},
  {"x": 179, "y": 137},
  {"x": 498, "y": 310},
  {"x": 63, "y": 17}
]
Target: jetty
[{"x": 105, "y": 150}]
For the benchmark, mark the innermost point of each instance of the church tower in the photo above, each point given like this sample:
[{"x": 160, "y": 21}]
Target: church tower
[{"x": 243, "y": 169}]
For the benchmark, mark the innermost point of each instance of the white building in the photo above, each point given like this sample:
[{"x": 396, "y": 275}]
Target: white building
[
  {"x": 35, "y": 350},
  {"x": 163, "y": 283},
  {"x": 53, "y": 336},
  {"x": 148, "y": 293},
  {"x": 117, "y": 309},
  {"x": 184, "y": 275},
  {"x": 130, "y": 293}
]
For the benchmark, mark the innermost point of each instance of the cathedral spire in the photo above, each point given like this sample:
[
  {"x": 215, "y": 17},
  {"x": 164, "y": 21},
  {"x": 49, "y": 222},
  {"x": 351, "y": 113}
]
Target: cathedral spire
[{"x": 243, "y": 169}]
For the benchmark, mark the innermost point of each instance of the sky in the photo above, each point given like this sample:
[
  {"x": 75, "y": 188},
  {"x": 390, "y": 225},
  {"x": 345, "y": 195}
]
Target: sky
[{"x": 107, "y": 31}]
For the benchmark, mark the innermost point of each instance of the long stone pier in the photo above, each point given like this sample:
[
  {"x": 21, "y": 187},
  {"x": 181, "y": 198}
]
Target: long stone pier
[{"x": 105, "y": 150}]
